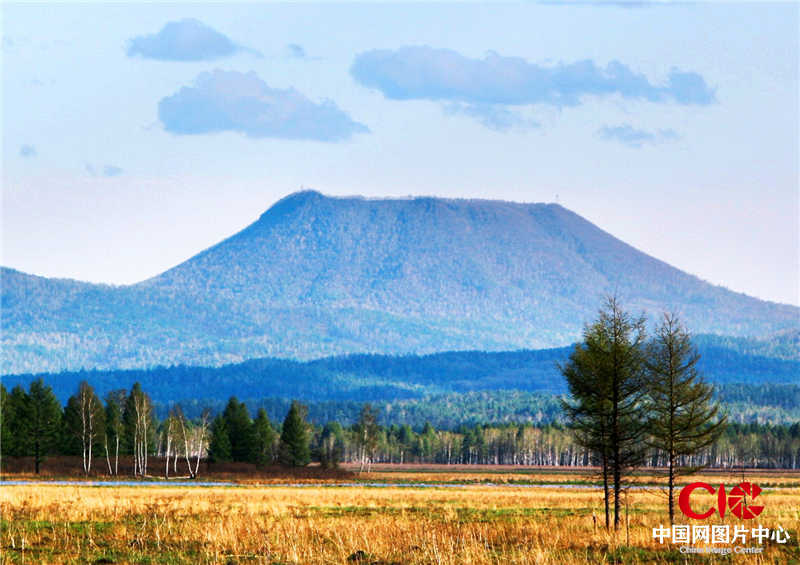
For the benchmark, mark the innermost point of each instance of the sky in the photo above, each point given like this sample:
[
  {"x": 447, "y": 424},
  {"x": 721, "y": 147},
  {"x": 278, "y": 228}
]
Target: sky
[{"x": 135, "y": 136}]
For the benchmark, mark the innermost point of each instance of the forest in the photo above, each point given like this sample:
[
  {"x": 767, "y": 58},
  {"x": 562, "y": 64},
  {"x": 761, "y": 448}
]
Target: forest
[
  {"x": 124, "y": 424},
  {"x": 755, "y": 381},
  {"x": 634, "y": 400}
]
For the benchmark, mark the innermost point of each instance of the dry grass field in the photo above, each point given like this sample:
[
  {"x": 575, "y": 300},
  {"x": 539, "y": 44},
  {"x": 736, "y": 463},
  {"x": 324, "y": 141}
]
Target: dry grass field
[
  {"x": 509, "y": 475},
  {"x": 470, "y": 524}
]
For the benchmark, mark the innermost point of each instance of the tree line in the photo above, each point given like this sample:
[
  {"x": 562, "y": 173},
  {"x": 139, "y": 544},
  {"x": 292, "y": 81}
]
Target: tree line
[{"x": 34, "y": 424}]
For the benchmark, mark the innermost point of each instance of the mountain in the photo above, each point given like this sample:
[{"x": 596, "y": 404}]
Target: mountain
[{"x": 317, "y": 276}]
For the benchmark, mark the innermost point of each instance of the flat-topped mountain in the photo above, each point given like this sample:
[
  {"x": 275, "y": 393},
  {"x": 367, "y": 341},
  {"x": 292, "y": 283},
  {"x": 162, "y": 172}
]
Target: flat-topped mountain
[{"x": 317, "y": 275}]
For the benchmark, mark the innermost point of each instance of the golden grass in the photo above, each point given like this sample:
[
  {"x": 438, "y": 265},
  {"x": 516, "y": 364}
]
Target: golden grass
[
  {"x": 470, "y": 525},
  {"x": 579, "y": 476}
]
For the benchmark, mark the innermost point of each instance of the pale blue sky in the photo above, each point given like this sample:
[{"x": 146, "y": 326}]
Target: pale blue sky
[{"x": 136, "y": 136}]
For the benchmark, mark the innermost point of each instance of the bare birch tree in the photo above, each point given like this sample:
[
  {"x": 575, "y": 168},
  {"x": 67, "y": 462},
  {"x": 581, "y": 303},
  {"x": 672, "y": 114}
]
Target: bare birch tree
[
  {"x": 115, "y": 405},
  {"x": 85, "y": 419},
  {"x": 200, "y": 439},
  {"x": 138, "y": 423},
  {"x": 168, "y": 442},
  {"x": 367, "y": 435}
]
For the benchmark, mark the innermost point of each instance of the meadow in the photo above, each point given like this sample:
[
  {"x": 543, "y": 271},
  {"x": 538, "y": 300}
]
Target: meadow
[{"x": 458, "y": 519}]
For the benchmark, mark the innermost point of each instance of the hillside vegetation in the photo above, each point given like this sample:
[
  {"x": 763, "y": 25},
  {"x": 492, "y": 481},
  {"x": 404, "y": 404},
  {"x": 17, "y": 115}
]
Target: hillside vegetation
[
  {"x": 316, "y": 276},
  {"x": 446, "y": 389}
]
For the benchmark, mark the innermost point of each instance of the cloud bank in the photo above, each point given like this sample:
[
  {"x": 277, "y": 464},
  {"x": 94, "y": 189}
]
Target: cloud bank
[
  {"x": 232, "y": 101},
  {"x": 184, "y": 40},
  {"x": 632, "y": 137},
  {"x": 427, "y": 73}
]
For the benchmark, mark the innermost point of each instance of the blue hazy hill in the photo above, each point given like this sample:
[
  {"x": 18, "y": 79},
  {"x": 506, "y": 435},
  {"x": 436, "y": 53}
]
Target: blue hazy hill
[
  {"x": 753, "y": 379},
  {"x": 316, "y": 276}
]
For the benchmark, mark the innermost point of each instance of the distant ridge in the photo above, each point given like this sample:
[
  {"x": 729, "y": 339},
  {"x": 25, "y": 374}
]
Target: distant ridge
[
  {"x": 317, "y": 276},
  {"x": 517, "y": 384}
]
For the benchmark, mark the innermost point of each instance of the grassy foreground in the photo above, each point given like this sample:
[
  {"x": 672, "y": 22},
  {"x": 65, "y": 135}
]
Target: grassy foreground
[{"x": 353, "y": 524}]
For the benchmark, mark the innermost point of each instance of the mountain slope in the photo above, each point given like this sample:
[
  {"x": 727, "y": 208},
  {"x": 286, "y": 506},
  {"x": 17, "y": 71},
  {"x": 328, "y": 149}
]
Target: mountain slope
[
  {"x": 500, "y": 385},
  {"x": 316, "y": 275}
]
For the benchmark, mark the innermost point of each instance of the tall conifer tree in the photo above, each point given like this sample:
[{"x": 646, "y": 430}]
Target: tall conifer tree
[
  {"x": 684, "y": 419},
  {"x": 240, "y": 431},
  {"x": 264, "y": 437},
  {"x": 219, "y": 447},
  {"x": 295, "y": 450},
  {"x": 43, "y": 415},
  {"x": 6, "y": 423},
  {"x": 606, "y": 378}
]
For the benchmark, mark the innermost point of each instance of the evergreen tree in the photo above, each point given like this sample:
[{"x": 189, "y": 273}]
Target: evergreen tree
[
  {"x": 684, "y": 419},
  {"x": 240, "y": 431},
  {"x": 331, "y": 445},
  {"x": 466, "y": 444},
  {"x": 427, "y": 440},
  {"x": 129, "y": 420},
  {"x": 43, "y": 414},
  {"x": 606, "y": 379},
  {"x": 18, "y": 424},
  {"x": 588, "y": 411},
  {"x": 265, "y": 437},
  {"x": 71, "y": 428},
  {"x": 294, "y": 448},
  {"x": 6, "y": 422},
  {"x": 407, "y": 439},
  {"x": 219, "y": 447}
]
